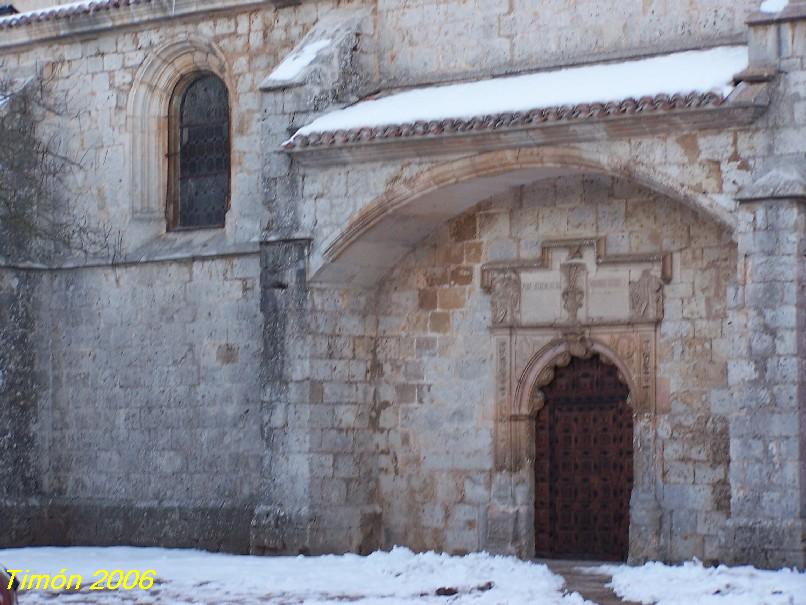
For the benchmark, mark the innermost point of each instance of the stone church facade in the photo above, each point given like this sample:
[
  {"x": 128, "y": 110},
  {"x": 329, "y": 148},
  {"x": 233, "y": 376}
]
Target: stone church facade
[{"x": 567, "y": 331}]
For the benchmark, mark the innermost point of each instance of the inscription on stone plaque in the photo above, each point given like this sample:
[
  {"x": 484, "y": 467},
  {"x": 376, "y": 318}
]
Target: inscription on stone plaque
[
  {"x": 542, "y": 299},
  {"x": 575, "y": 282},
  {"x": 609, "y": 294}
]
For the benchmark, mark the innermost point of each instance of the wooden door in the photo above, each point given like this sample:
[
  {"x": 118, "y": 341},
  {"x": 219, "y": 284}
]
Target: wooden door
[{"x": 584, "y": 464}]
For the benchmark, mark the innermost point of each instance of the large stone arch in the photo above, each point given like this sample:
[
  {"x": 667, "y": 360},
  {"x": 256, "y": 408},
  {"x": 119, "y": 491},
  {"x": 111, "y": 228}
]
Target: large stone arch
[
  {"x": 389, "y": 227},
  {"x": 378, "y": 235},
  {"x": 147, "y": 111}
]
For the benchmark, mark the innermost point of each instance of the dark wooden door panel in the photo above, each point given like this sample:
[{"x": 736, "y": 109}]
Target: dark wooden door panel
[{"x": 584, "y": 464}]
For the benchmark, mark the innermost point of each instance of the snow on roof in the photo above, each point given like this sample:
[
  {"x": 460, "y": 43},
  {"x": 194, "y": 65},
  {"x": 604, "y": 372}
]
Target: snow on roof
[
  {"x": 296, "y": 62},
  {"x": 773, "y": 6},
  {"x": 64, "y": 11},
  {"x": 701, "y": 71}
]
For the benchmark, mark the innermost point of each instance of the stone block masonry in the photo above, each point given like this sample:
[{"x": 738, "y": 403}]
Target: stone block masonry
[
  {"x": 20, "y": 383},
  {"x": 334, "y": 369},
  {"x": 153, "y": 412}
]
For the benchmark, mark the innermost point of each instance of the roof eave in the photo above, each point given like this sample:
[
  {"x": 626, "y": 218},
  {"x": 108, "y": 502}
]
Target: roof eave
[
  {"x": 53, "y": 26},
  {"x": 747, "y": 102}
]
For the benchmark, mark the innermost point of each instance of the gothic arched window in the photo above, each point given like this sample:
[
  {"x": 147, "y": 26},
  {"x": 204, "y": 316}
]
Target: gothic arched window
[{"x": 199, "y": 153}]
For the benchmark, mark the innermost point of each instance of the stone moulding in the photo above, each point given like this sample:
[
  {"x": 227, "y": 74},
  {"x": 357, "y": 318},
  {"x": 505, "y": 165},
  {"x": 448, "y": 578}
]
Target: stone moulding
[
  {"x": 641, "y": 295},
  {"x": 545, "y": 126},
  {"x": 602, "y": 258},
  {"x": 526, "y": 360},
  {"x": 558, "y": 354},
  {"x": 147, "y": 116}
]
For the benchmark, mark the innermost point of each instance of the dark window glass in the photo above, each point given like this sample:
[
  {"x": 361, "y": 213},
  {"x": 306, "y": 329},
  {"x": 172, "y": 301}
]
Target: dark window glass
[{"x": 204, "y": 154}]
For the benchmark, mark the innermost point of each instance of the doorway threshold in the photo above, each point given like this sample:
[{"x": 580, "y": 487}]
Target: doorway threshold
[{"x": 579, "y": 578}]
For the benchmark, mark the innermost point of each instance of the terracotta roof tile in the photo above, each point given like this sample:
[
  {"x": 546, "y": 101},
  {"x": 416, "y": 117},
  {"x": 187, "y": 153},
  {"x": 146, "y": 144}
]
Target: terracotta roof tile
[
  {"x": 502, "y": 121},
  {"x": 66, "y": 11}
]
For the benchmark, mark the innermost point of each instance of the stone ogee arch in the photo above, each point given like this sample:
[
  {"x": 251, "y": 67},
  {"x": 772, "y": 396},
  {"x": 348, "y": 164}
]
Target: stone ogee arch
[{"x": 539, "y": 372}]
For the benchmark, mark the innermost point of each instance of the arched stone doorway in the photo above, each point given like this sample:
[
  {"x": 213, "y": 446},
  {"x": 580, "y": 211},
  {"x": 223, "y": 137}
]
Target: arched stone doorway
[{"x": 583, "y": 462}]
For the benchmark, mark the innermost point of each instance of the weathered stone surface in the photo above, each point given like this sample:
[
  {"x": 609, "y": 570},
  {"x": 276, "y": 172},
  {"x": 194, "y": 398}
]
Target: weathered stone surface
[
  {"x": 334, "y": 369},
  {"x": 19, "y": 384}
]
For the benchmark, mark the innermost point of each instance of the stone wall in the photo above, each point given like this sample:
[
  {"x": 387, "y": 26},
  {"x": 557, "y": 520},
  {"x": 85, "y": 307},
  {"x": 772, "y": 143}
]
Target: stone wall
[
  {"x": 148, "y": 428},
  {"x": 95, "y": 81},
  {"x": 766, "y": 409},
  {"x": 433, "y": 41},
  {"x": 139, "y": 397},
  {"x": 199, "y": 373},
  {"x": 19, "y": 384}
]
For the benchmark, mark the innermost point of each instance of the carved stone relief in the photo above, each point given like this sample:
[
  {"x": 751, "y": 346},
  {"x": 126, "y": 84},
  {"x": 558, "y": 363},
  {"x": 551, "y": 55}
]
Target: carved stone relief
[
  {"x": 575, "y": 282},
  {"x": 506, "y": 297},
  {"x": 574, "y": 293},
  {"x": 646, "y": 297},
  {"x": 575, "y": 300}
]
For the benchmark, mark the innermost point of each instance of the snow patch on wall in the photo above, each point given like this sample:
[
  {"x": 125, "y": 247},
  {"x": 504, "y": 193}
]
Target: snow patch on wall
[
  {"x": 773, "y": 6},
  {"x": 291, "y": 67},
  {"x": 702, "y": 71}
]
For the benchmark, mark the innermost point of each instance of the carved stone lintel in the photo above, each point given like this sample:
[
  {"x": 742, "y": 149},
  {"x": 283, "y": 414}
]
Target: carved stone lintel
[{"x": 575, "y": 282}]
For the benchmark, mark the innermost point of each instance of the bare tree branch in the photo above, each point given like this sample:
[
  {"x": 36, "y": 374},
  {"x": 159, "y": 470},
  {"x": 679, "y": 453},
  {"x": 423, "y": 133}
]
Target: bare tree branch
[{"x": 38, "y": 215}]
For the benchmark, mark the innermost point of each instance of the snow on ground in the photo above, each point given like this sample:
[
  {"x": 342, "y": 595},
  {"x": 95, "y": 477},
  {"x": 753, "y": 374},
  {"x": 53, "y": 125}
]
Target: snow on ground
[
  {"x": 683, "y": 72},
  {"x": 695, "y": 584},
  {"x": 773, "y": 6},
  {"x": 384, "y": 578}
]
